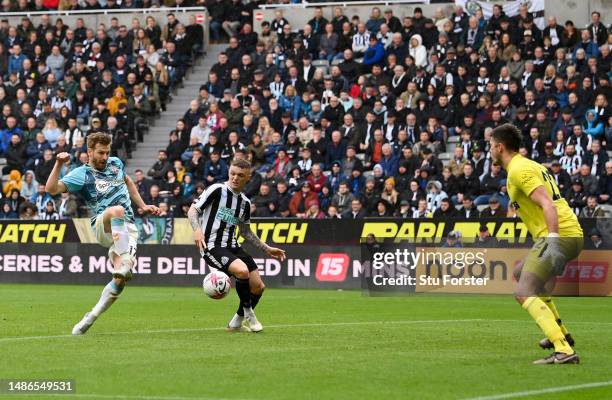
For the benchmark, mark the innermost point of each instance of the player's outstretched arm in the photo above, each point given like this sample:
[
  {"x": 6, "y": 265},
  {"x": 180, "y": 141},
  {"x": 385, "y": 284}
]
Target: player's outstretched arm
[
  {"x": 249, "y": 236},
  {"x": 193, "y": 215},
  {"x": 541, "y": 197},
  {"x": 137, "y": 199},
  {"x": 54, "y": 185}
]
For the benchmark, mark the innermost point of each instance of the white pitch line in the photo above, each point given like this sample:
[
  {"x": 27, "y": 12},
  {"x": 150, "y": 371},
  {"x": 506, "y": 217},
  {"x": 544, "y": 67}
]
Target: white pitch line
[
  {"x": 536, "y": 392},
  {"x": 309, "y": 325},
  {"x": 187, "y": 330}
]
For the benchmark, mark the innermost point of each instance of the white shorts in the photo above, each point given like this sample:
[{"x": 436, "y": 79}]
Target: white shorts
[{"x": 105, "y": 239}]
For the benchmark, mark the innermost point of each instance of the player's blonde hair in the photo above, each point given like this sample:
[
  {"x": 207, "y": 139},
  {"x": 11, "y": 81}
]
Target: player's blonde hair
[
  {"x": 241, "y": 163},
  {"x": 98, "y": 138}
]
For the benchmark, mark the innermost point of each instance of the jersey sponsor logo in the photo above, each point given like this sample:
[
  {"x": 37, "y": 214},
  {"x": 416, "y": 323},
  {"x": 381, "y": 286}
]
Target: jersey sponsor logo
[
  {"x": 227, "y": 215},
  {"x": 332, "y": 267},
  {"x": 102, "y": 185}
]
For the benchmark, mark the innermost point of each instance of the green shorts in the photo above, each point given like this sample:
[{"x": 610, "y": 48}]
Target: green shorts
[{"x": 541, "y": 266}]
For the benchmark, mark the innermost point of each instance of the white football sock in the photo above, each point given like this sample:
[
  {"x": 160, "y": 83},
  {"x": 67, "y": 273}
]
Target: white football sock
[
  {"x": 110, "y": 293},
  {"x": 121, "y": 236}
]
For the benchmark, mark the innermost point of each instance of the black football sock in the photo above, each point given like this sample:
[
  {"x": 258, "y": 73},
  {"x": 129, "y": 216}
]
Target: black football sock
[
  {"x": 255, "y": 299},
  {"x": 240, "y": 311},
  {"x": 244, "y": 293}
]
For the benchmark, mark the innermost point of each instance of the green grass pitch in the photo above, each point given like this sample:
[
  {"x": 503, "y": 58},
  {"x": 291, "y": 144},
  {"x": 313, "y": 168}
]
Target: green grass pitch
[{"x": 169, "y": 344}]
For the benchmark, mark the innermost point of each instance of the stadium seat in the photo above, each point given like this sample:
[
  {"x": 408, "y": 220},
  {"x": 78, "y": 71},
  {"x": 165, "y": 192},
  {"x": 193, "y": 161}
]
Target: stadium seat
[
  {"x": 453, "y": 139},
  {"x": 320, "y": 63},
  {"x": 445, "y": 156}
]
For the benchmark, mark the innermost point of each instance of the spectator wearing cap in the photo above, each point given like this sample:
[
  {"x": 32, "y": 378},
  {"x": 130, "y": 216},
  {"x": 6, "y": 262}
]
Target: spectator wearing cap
[
  {"x": 548, "y": 156},
  {"x": 495, "y": 208},
  {"x": 282, "y": 163},
  {"x": 484, "y": 238},
  {"x": 576, "y": 197},
  {"x": 479, "y": 161},
  {"x": 561, "y": 177}
]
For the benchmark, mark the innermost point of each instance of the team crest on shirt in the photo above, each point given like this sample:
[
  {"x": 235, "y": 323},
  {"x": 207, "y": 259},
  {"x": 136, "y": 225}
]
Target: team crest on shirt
[
  {"x": 224, "y": 260},
  {"x": 114, "y": 169}
]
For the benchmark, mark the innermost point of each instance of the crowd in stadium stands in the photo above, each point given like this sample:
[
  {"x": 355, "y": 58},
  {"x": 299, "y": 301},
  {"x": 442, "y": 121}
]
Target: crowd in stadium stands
[
  {"x": 367, "y": 116},
  {"x": 58, "y": 83}
]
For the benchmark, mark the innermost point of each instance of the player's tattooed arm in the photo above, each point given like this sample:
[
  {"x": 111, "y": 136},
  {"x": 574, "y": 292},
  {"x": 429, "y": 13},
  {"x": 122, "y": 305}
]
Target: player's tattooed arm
[
  {"x": 194, "y": 218},
  {"x": 193, "y": 215},
  {"x": 249, "y": 236}
]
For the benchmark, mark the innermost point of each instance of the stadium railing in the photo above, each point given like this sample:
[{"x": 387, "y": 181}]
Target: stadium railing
[{"x": 93, "y": 18}]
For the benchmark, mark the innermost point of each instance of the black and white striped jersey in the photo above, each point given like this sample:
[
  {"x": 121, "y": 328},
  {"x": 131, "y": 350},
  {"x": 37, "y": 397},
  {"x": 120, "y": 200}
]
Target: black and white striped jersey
[{"x": 221, "y": 210}]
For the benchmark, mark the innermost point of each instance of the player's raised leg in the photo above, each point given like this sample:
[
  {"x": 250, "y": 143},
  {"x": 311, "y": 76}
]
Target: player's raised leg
[
  {"x": 111, "y": 231},
  {"x": 115, "y": 224}
]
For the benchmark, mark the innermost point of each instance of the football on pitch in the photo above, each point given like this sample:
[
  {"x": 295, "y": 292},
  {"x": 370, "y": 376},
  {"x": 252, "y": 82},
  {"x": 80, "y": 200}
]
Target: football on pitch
[{"x": 216, "y": 285}]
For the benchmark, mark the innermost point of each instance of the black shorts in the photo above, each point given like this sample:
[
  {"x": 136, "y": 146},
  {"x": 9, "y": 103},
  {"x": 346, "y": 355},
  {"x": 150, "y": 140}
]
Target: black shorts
[{"x": 221, "y": 258}]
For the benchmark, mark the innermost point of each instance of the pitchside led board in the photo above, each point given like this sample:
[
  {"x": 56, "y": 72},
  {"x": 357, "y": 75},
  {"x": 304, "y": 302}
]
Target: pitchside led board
[{"x": 443, "y": 256}]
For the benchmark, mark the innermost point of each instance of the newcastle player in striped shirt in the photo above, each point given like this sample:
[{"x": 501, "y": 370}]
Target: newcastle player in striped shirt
[{"x": 214, "y": 218}]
